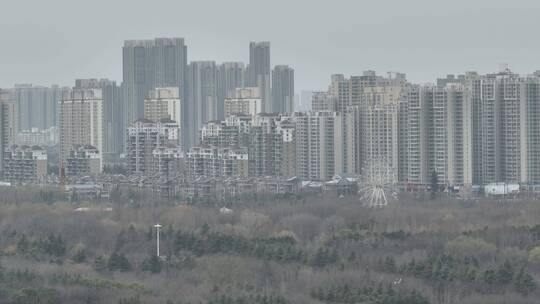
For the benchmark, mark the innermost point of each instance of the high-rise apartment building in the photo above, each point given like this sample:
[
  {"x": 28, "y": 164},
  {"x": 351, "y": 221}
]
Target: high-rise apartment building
[
  {"x": 8, "y": 122},
  {"x": 148, "y": 64},
  {"x": 529, "y": 112},
  {"x": 258, "y": 72},
  {"x": 416, "y": 124},
  {"x": 202, "y": 105},
  {"x": 319, "y": 147},
  {"x": 348, "y": 92},
  {"x": 455, "y": 135},
  {"x": 37, "y": 106},
  {"x": 379, "y": 129},
  {"x": 81, "y": 122},
  {"x": 435, "y": 134},
  {"x": 286, "y": 130},
  {"x": 500, "y": 127},
  {"x": 231, "y": 75},
  {"x": 264, "y": 146},
  {"x": 283, "y": 100},
  {"x": 113, "y": 114}
]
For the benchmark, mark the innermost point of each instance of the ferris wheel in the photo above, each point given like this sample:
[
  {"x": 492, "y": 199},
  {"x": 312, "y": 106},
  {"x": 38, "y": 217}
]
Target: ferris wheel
[{"x": 377, "y": 183}]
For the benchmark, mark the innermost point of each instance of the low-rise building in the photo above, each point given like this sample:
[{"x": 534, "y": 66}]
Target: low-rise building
[
  {"x": 168, "y": 160},
  {"x": 218, "y": 162},
  {"x": 25, "y": 165},
  {"x": 37, "y": 137},
  {"x": 83, "y": 160}
]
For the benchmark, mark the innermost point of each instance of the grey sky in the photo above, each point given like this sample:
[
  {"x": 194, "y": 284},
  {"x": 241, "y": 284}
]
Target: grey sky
[{"x": 56, "y": 41}]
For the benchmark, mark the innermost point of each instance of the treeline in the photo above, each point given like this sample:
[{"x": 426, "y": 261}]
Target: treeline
[
  {"x": 224, "y": 299},
  {"x": 53, "y": 245},
  {"x": 27, "y": 286},
  {"x": 279, "y": 249},
  {"x": 446, "y": 268},
  {"x": 258, "y": 299},
  {"x": 380, "y": 295}
]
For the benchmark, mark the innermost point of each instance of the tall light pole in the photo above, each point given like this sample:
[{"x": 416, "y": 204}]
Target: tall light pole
[{"x": 157, "y": 226}]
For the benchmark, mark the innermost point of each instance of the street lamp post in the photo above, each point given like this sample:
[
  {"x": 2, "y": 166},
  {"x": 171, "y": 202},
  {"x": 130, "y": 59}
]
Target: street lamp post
[{"x": 157, "y": 226}]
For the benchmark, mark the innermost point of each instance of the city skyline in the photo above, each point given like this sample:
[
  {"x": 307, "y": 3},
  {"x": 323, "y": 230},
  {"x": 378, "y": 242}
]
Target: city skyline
[
  {"x": 333, "y": 46},
  {"x": 269, "y": 151}
]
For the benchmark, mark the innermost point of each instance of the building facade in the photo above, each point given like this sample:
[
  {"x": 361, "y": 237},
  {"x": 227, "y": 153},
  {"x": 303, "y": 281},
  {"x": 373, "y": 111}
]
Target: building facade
[
  {"x": 25, "y": 165},
  {"x": 83, "y": 160},
  {"x": 148, "y": 64},
  {"x": 163, "y": 103},
  {"x": 218, "y": 162},
  {"x": 81, "y": 122},
  {"x": 283, "y": 100},
  {"x": 243, "y": 101},
  {"x": 113, "y": 113},
  {"x": 319, "y": 147},
  {"x": 146, "y": 140},
  {"x": 202, "y": 105},
  {"x": 259, "y": 73}
]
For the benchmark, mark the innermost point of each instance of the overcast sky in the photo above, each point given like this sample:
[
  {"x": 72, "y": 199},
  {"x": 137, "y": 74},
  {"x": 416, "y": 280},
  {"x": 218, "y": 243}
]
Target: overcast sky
[{"x": 56, "y": 41}]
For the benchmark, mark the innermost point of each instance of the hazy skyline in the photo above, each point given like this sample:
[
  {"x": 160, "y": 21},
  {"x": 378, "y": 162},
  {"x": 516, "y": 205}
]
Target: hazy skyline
[{"x": 57, "y": 41}]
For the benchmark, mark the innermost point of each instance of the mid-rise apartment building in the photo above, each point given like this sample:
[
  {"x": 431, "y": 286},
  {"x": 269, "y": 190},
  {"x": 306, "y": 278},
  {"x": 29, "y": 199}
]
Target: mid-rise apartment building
[
  {"x": 149, "y": 142},
  {"x": 25, "y": 165},
  {"x": 218, "y": 162}
]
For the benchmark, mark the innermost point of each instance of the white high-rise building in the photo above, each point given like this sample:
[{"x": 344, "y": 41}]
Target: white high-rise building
[
  {"x": 379, "y": 130},
  {"x": 319, "y": 147},
  {"x": 502, "y": 128},
  {"x": 433, "y": 125}
]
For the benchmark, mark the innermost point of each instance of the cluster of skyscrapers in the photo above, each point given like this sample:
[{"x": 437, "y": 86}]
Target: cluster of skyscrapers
[
  {"x": 159, "y": 83},
  {"x": 170, "y": 117}
]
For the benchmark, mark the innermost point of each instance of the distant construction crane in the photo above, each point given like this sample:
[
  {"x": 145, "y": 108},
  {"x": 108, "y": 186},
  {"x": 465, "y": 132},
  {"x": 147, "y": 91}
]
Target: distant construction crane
[{"x": 62, "y": 177}]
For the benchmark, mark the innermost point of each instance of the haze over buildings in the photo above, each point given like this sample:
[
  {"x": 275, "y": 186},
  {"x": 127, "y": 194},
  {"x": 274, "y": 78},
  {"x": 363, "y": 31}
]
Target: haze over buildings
[
  {"x": 246, "y": 115},
  {"x": 318, "y": 38}
]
